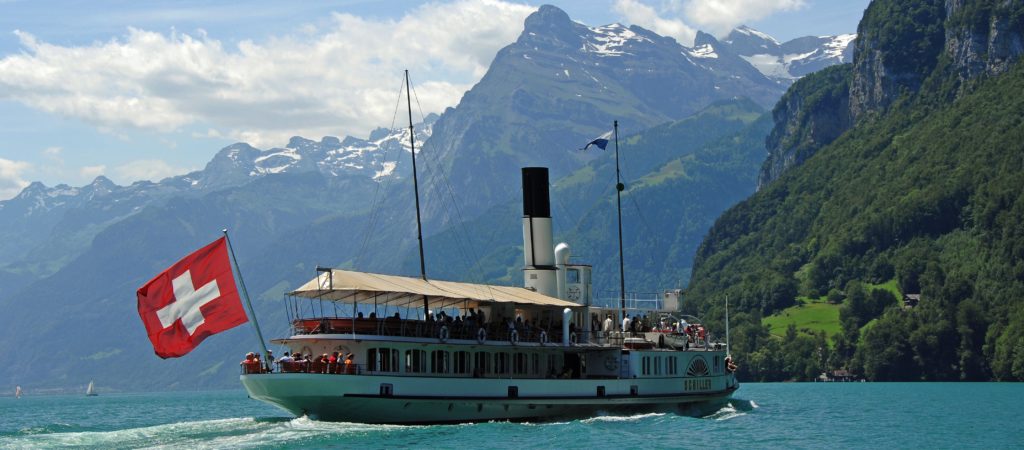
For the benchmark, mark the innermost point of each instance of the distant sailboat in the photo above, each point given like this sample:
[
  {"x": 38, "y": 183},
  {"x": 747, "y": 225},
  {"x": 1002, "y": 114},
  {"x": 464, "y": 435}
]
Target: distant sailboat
[
  {"x": 17, "y": 392},
  {"x": 90, "y": 391}
]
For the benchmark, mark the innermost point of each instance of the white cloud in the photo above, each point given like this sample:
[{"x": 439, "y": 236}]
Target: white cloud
[
  {"x": 340, "y": 78},
  {"x": 721, "y": 16},
  {"x": 681, "y": 18},
  {"x": 91, "y": 172},
  {"x": 145, "y": 169},
  {"x": 635, "y": 12},
  {"x": 11, "y": 182}
]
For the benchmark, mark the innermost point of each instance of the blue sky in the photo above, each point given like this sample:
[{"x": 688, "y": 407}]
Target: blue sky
[{"x": 144, "y": 90}]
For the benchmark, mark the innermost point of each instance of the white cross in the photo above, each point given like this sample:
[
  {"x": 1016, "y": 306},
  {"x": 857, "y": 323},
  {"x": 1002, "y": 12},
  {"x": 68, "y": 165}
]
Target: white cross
[{"x": 187, "y": 303}]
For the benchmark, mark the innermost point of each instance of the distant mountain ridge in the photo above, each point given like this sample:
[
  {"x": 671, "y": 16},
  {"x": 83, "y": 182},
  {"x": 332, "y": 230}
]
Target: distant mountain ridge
[
  {"x": 789, "y": 61},
  {"x": 55, "y": 223}
]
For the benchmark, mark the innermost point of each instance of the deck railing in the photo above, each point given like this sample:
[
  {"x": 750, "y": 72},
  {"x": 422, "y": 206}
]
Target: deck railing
[{"x": 490, "y": 332}]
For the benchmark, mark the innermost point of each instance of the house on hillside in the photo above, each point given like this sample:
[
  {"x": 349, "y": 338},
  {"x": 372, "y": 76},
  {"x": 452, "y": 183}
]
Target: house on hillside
[
  {"x": 911, "y": 300},
  {"x": 836, "y": 375}
]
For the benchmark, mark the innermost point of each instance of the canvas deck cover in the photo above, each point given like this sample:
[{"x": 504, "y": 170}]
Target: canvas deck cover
[{"x": 364, "y": 287}]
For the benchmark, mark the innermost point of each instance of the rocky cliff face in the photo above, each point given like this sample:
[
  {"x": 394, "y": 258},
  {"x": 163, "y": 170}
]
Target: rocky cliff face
[
  {"x": 812, "y": 114},
  {"x": 900, "y": 44},
  {"x": 984, "y": 38}
]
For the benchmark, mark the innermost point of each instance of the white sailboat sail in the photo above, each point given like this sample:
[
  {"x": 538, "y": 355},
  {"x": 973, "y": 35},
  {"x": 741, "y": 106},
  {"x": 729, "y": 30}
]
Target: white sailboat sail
[
  {"x": 17, "y": 392},
  {"x": 90, "y": 391}
]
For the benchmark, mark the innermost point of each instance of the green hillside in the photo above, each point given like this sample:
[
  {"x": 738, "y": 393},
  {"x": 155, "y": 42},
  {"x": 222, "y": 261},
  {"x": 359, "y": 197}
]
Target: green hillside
[{"x": 927, "y": 192}]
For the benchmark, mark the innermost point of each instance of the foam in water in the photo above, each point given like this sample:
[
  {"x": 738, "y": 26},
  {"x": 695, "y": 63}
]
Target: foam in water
[
  {"x": 632, "y": 418},
  {"x": 732, "y": 409},
  {"x": 213, "y": 434}
]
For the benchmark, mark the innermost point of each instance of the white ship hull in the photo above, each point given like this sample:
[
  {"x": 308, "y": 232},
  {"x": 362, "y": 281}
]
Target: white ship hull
[{"x": 420, "y": 400}]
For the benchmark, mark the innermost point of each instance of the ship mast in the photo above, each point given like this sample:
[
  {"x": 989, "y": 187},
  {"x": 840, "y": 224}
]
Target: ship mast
[
  {"x": 619, "y": 187},
  {"x": 416, "y": 190}
]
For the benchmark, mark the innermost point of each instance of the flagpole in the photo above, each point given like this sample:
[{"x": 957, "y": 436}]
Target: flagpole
[
  {"x": 619, "y": 187},
  {"x": 245, "y": 294},
  {"x": 727, "y": 325}
]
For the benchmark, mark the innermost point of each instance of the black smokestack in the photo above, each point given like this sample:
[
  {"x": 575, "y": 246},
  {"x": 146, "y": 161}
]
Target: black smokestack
[{"x": 536, "y": 202}]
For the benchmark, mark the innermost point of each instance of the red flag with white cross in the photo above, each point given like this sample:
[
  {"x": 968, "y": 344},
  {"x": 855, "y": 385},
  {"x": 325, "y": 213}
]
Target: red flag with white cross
[{"x": 190, "y": 301}]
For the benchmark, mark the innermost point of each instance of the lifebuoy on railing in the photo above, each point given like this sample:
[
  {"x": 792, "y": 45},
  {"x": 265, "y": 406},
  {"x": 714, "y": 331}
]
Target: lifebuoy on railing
[
  {"x": 514, "y": 337},
  {"x": 543, "y": 337},
  {"x": 572, "y": 338},
  {"x": 481, "y": 335},
  {"x": 442, "y": 334}
]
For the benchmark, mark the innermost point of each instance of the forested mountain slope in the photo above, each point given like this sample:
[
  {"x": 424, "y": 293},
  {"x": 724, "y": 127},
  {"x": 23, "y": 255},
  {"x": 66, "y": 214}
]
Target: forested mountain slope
[{"x": 924, "y": 188}]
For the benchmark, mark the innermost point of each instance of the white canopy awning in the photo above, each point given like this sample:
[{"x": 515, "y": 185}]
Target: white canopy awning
[{"x": 362, "y": 287}]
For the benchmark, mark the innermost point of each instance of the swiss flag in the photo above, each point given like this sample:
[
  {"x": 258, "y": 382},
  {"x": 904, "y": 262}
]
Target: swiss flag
[{"x": 191, "y": 300}]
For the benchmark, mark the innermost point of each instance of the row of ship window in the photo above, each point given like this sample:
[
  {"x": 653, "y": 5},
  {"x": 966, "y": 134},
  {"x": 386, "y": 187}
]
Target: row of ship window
[
  {"x": 506, "y": 363},
  {"x": 458, "y": 362}
]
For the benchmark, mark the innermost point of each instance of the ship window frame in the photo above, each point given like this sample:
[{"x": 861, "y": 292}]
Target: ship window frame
[
  {"x": 415, "y": 361},
  {"x": 481, "y": 363},
  {"x": 462, "y": 363},
  {"x": 520, "y": 364},
  {"x": 572, "y": 276},
  {"x": 442, "y": 357},
  {"x": 502, "y": 363}
]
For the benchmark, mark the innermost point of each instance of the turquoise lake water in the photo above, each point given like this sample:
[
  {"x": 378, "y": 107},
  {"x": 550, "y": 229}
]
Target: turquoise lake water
[{"x": 787, "y": 415}]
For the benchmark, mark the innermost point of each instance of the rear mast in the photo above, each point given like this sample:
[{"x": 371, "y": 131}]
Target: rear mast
[{"x": 416, "y": 190}]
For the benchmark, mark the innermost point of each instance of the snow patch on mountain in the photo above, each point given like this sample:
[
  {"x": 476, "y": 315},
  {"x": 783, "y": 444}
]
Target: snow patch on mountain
[
  {"x": 610, "y": 40},
  {"x": 785, "y": 62}
]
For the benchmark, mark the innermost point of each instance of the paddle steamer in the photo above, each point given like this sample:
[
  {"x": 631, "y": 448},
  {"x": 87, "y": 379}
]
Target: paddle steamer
[
  {"x": 536, "y": 354},
  {"x": 413, "y": 350}
]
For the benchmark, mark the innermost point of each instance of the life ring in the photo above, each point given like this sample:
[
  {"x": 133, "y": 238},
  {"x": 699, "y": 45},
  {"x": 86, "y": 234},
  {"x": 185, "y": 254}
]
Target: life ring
[
  {"x": 543, "y": 337},
  {"x": 572, "y": 338},
  {"x": 611, "y": 363},
  {"x": 481, "y": 335},
  {"x": 513, "y": 337},
  {"x": 442, "y": 334}
]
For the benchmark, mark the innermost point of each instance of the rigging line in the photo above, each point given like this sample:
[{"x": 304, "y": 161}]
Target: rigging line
[
  {"x": 381, "y": 184},
  {"x": 632, "y": 198},
  {"x": 455, "y": 204},
  {"x": 460, "y": 245}
]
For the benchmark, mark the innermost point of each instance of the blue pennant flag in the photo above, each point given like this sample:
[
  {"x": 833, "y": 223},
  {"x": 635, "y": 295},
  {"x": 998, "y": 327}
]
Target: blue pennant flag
[{"x": 601, "y": 141}]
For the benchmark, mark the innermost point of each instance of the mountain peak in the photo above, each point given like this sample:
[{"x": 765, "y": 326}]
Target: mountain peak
[
  {"x": 33, "y": 189},
  {"x": 102, "y": 181},
  {"x": 745, "y": 33},
  {"x": 703, "y": 38},
  {"x": 546, "y": 17},
  {"x": 550, "y": 26}
]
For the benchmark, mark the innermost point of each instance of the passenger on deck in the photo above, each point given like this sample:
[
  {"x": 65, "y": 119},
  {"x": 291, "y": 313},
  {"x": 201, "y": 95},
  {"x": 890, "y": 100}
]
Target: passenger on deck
[
  {"x": 350, "y": 368},
  {"x": 248, "y": 363},
  {"x": 286, "y": 358},
  {"x": 373, "y": 315},
  {"x": 360, "y": 315},
  {"x": 626, "y": 324},
  {"x": 481, "y": 318},
  {"x": 606, "y": 330},
  {"x": 284, "y": 362}
]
